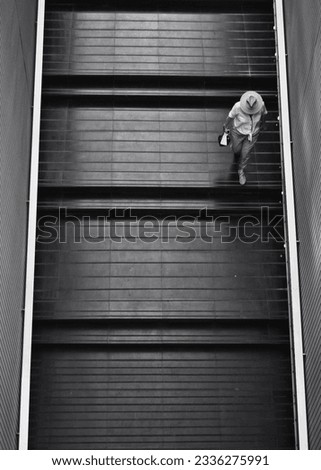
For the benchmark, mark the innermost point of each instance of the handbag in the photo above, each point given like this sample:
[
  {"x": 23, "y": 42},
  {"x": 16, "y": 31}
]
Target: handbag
[{"x": 224, "y": 139}]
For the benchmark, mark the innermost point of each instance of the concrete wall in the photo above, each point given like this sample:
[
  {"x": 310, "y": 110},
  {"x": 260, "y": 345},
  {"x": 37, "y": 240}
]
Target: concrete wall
[
  {"x": 303, "y": 31},
  {"x": 17, "y": 36}
]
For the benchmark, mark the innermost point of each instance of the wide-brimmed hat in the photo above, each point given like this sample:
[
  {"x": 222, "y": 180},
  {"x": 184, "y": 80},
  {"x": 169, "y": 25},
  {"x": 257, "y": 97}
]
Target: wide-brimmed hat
[{"x": 251, "y": 102}]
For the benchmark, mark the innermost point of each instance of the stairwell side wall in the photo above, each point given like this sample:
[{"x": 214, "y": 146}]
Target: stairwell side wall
[
  {"x": 17, "y": 38},
  {"x": 303, "y": 35}
]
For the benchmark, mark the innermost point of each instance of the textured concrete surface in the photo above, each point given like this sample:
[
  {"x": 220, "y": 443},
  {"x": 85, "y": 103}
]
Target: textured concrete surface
[
  {"x": 303, "y": 30},
  {"x": 17, "y": 35}
]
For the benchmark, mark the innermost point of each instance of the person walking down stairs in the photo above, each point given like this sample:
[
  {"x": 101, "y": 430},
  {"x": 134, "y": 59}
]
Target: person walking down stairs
[{"x": 244, "y": 123}]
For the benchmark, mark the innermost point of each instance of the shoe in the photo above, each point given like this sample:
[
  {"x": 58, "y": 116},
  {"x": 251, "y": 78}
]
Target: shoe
[{"x": 242, "y": 177}]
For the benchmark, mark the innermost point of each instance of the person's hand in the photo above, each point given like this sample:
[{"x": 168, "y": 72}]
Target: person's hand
[{"x": 226, "y": 130}]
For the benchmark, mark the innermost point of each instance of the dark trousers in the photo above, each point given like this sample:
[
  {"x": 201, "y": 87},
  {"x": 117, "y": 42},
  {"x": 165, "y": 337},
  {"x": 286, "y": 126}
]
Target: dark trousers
[{"x": 242, "y": 146}]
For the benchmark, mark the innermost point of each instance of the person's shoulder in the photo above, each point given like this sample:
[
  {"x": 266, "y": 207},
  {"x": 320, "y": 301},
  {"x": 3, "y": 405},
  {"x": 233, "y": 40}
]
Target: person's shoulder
[
  {"x": 264, "y": 110},
  {"x": 235, "y": 110},
  {"x": 237, "y": 107}
]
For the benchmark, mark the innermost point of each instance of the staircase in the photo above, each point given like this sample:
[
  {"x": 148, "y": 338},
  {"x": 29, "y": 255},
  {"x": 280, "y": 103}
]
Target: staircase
[{"x": 161, "y": 309}]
